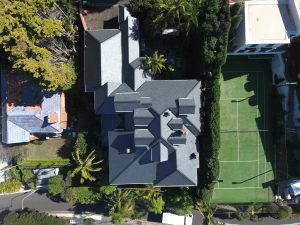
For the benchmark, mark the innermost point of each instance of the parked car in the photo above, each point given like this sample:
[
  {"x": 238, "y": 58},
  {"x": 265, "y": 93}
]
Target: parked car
[
  {"x": 292, "y": 190},
  {"x": 173, "y": 219}
]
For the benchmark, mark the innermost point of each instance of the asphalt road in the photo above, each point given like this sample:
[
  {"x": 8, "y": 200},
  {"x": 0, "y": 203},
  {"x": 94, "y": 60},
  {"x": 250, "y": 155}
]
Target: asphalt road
[{"x": 37, "y": 201}]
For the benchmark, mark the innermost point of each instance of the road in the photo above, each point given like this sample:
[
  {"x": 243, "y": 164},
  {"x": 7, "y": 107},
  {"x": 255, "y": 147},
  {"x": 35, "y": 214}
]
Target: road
[{"x": 38, "y": 201}]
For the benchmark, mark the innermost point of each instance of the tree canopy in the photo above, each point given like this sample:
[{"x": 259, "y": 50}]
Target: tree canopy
[{"x": 31, "y": 33}]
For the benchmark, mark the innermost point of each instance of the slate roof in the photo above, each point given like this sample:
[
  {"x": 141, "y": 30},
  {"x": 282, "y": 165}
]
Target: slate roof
[
  {"x": 148, "y": 117},
  {"x": 161, "y": 152},
  {"x": 27, "y": 112},
  {"x": 102, "y": 35},
  {"x": 163, "y": 95},
  {"x": 142, "y": 117}
]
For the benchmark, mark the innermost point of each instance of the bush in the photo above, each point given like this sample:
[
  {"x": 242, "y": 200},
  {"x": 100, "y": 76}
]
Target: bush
[
  {"x": 180, "y": 203},
  {"x": 285, "y": 212},
  {"x": 29, "y": 177},
  {"x": 117, "y": 218},
  {"x": 83, "y": 195},
  {"x": 32, "y": 218},
  {"x": 56, "y": 185},
  {"x": 156, "y": 205},
  {"x": 10, "y": 186}
]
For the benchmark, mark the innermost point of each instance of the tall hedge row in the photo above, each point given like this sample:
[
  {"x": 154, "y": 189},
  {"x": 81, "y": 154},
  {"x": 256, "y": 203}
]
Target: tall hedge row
[{"x": 213, "y": 35}]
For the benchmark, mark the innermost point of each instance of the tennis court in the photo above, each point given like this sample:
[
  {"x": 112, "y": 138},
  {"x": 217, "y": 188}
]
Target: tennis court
[{"x": 246, "y": 154}]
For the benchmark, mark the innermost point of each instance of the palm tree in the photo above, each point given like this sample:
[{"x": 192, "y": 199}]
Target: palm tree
[
  {"x": 156, "y": 63},
  {"x": 121, "y": 204},
  {"x": 85, "y": 166},
  {"x": 180, "y": 14}
]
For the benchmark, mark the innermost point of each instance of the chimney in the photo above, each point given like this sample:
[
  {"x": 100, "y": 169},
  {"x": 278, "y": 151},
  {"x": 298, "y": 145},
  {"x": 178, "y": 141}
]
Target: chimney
[
  {"x": 196, "y": 155},
  {"x": 128, "y": 150}
]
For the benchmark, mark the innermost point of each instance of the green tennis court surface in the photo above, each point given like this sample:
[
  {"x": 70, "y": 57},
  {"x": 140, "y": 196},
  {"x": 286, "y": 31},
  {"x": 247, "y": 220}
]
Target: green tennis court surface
[{"x": 246, "y": 155}]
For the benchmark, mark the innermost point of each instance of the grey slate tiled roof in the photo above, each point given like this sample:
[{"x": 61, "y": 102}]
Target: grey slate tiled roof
[
  {"x": 142, "y": 117},
  {"x": 102, "y": 35},
  {"x": 186, "y": 106},
  {"x": 143, "y": 137},
  {"x": 176, "y": 124},
  {"x": 133, "y": 116},
  {"x": 160, "y": 152},
  {"x": 163, "y": 95},
  {"x": 127, "y": 101}
]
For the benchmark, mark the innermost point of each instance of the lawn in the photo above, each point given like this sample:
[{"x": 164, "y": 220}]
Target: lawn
[
  {"x": 246, "y": 154},
  {"x": 52, "y": 152}
]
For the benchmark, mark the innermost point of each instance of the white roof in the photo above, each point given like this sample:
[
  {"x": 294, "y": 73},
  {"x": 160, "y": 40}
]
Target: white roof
[{"x": 268, "y": 22}]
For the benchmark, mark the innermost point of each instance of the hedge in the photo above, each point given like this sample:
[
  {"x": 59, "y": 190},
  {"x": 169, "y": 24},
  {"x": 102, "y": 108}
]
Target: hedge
[
  {"x": 32, "y": 218},
  {"x": 46, "y": 163},
  {"x": 213, "y": 35},
  {"x": 10, "y": 186}
]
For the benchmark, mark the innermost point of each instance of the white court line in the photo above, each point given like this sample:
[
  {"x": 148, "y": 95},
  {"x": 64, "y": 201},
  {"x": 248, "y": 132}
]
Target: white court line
[
  {"x": 226, "y": 99},
  {"x": 244, "y": 161},
  {"x": 257, "y": 136},
  {"x": 237, "y": 128},
  {"x": 267, "y": 149},
  {"x": 239, "y": 188}
]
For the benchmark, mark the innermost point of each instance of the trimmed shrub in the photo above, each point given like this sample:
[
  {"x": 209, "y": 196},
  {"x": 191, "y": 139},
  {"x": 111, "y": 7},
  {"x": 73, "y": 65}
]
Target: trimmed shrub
[
  {"x": 83, "y": 195},
  {"x": 10, "y": 186},
  {"x": 56, "y": 185},
  {"x": 81, "y": 143},
  {"x": 285, "y": 212}
]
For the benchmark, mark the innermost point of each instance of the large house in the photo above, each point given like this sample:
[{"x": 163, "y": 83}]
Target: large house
[
  {"x": 150, "y": 126},
  {"x": 29, "y": 112},
  {"x": 266, "y": 26}
]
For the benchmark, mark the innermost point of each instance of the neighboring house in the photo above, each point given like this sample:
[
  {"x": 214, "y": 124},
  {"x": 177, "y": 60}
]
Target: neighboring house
[
  {"x": 150, "y": 126},
  {"x": 266, "y": 26},
  {"x": 28, "y": 111}
]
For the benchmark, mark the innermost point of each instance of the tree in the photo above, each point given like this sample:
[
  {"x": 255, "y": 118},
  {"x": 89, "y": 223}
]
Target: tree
[
  {"x": 85, "y": 166},
  {"x": 156, "y": 63},
  {"x": 56, "y": 185},
  {"x": 178, "y": 14},
  {"x": 81, "y": 143},
  {"x": 32, "y": 218},
  {"x": 35, "y": 42}
]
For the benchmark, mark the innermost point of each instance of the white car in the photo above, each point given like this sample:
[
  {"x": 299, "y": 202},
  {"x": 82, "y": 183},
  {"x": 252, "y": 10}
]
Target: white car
[{"x": 173, "y": 219}]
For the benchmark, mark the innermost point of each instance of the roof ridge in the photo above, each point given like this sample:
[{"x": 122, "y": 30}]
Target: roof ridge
[{"x": 190, "y": 123}]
